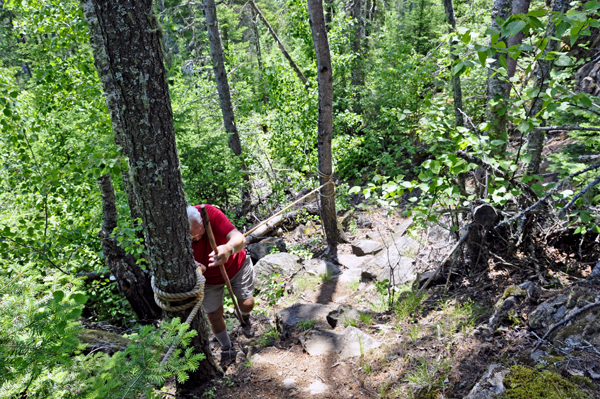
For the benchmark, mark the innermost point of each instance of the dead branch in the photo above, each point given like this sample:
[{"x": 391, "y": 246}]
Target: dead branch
[
  {"x": 552, "y": 191},
  {"x": 281, "y": 47},
  {"x": 434, "y": 275},
  {"x": 567, "y": 319},
  {"x": 587, "y": 188},
  {"x": 588, "y": 158},
  {"x": 567, "y": 127}
]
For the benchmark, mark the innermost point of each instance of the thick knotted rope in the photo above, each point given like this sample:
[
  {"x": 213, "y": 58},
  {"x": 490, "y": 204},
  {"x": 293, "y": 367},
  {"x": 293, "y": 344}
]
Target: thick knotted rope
[{"x": 162, "y": 300}]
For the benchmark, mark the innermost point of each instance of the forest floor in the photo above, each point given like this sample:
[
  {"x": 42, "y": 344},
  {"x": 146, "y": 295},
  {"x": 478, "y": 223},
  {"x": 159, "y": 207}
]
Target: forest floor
[{"x": 434, "y": 348}]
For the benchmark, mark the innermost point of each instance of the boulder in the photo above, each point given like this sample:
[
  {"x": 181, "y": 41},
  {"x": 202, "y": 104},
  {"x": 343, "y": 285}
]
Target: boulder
[
  {"x": 364, "y": 222},
  {"x": 366, "y": 247},
  {"x": 263, "y": 248},
  {"x": 283, "y": 264},
  {"x": 289, "y": 317},
  {"x": 353, "y": 266},
  {"x": 342, "y": 315},
  {"x": 397, "y": 256},
  {"x": 585, "y": 326},
  {"x": 317, "y": 388},
  {"x": 490, "y": 385},
  {"x": 319, "y": 267},
  {"x": 401, "y": 229},
  {"x": 403, "y": 271},
  {"x": 594, "y": 277},
  {"x": 351, "y": 342}
]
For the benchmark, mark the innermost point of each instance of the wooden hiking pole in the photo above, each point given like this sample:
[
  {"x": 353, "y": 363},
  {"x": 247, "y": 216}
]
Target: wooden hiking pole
[{"x": 213, "y": 244}]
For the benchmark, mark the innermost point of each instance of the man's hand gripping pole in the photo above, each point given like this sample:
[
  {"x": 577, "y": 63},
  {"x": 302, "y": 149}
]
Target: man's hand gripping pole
[{"x": 213, "y": 244}]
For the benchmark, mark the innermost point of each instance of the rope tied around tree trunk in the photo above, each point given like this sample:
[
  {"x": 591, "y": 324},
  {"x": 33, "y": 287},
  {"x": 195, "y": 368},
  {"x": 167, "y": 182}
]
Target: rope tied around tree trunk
[
  {"x": 329, "y": 179},
  {"x": 162, "y": 300}
]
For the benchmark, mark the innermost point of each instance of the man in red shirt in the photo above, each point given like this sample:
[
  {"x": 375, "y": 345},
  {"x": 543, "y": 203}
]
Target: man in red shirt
[{"x": 230, "y": 252}]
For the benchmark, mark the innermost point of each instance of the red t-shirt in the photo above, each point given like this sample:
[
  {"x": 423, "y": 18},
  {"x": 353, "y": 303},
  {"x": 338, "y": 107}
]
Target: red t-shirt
[{"x": 221, "y": 226}]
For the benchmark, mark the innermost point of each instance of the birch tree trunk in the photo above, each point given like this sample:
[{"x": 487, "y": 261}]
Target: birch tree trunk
[
  {"x": 535, "y": 139},
  {"x": 256, "y": 32},
  {"x": 218, "y": 61},
  {"x": 518, "y": 7},
  {"x": 325, "y": 121},
  {"x": 357, "y": 49},
  {"x": 132, "y": 281},
  {"x": 496, "y": 114},
  {"x": 455, "y": 80},
  {"x": 125, "y": 38}
]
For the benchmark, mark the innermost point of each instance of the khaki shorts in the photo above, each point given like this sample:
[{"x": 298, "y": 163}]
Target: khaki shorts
[{"x": 242, "y": 284}]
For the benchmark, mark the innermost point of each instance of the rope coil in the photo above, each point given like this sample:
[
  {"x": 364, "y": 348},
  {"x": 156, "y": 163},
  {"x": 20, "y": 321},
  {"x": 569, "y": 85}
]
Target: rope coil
[
  {"x": 329, "y": 179},
  {"x": 163, "y": 298}
]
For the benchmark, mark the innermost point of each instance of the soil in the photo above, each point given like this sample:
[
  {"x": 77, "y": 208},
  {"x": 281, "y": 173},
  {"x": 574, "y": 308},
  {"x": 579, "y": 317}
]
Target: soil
[{"x": 437, "y": 350}]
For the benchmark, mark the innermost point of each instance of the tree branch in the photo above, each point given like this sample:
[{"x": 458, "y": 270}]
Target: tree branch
[{"x": 567, "y": 127}]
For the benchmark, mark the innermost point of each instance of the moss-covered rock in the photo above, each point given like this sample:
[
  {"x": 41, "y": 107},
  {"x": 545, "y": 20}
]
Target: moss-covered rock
[{"x": 526, "y": 383}]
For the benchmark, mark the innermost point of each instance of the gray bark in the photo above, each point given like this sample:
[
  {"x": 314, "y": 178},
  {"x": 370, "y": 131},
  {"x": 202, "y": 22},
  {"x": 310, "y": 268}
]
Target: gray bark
[
  {"x": 325, "y": 121},
  {"x": 495, "y": 83},
  {"x": 455, "y": 80},
  {"x": 535, "y": 139},
  {"x": 218, "y": 61},
  {"x": 132, "y": 281},
  {"x": 134, "y": 80},
  {"x": 281, "y": 46},
  {"x": 518, "y": 7}
]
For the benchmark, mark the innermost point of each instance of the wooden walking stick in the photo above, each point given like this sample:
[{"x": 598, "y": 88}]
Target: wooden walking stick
[{"x": 213, "y": 244}]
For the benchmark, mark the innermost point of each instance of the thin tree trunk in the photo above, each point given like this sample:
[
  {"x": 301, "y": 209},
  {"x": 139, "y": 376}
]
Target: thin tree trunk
[
  {"x": 495, "y": 85},
  {"x": 456, "y": 87},
  {"x": 357, "y": 78},
  {"x": 259, "y": 55},
  {"x": 535, "y": 139},
  {"x": 135, "y": 86},
  {"x": 281, "y": 47},
  {"x": 218, "y": 61},
  {"x": 325, "y": 121},
  {"x": 133, "y": 282},
  {"x": 518, "y": 7}
]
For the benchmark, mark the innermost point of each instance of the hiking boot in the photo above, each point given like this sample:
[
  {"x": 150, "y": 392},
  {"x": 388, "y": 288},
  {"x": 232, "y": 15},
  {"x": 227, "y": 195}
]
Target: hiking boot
[
  {"x": 228, "y": 356},
  {"x": 248, "y": 329}
]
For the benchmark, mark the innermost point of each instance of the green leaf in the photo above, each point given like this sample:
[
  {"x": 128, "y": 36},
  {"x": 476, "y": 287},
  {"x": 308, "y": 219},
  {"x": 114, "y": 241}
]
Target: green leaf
[
  {"x": 482, "y": 57},
  {"x": 58, "y": 295},
  {"x": 591, "y": 6},
  {"x": 74, "y": 314},
  {"x": 502, "y": 61},
  {"x": 79, "y": 298},
  {"x": 515, "y": 27},
  {"x": 563, "y": 60},
  {"x": 457, "y": 68},
  {"x": 536, "y": 13}
]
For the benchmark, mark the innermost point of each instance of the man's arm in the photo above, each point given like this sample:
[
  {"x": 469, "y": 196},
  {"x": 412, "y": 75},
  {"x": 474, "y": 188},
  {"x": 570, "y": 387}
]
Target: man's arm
[{"x": 235, "y": 243}]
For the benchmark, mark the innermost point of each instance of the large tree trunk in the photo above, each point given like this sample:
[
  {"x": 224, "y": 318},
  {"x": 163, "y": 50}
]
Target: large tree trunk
[
  {"x": 518, "y": 7},
  {"x": 456, "y": 87},
  {"x": 325, "y": 121},
  {"x": 133, "y": 282},
  {"x": 125, "y": 38},
  {"x": 535, "y": 139},
  {"x": 495, "y": 84},
  {"x": 218, "y": 61},
  {"x": 287, "y": 55}
]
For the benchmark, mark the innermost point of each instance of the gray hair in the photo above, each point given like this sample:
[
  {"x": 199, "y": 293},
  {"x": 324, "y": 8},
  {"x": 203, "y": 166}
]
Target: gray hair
[{"x": 193, "y": 214}]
